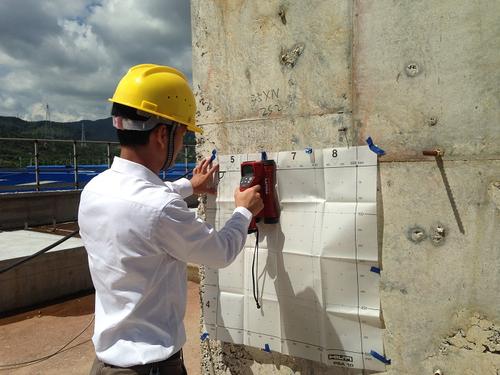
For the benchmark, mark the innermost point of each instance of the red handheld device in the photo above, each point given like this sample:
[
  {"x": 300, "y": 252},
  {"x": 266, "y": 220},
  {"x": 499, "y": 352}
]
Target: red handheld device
[{"x": 263, "y": 173}]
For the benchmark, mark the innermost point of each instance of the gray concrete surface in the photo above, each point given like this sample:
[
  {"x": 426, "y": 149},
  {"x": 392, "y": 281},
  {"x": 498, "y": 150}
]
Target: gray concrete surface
[
  {"x": 20, "y": 210},
  {"x": 414, "y": 75},
  {"x": 60, "y": 272},
  {"x": 29, "y": 209}
]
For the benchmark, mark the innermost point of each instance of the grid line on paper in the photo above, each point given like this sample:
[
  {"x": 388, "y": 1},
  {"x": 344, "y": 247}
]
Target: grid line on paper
[
  {"x": 310, "y": 168},
  {"x": 356, "y": 255},
  {"x": 296, "y": 341}
]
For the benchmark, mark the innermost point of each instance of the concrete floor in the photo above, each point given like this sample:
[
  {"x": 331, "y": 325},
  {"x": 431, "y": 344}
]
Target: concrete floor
[
  {"x": 41, "y": 332},
  {"x": 21, "y": 243}
]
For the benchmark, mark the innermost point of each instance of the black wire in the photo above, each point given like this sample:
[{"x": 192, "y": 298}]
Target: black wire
[
  {"x": 25, "y": 363},
  {"x": 44, "y": 250},
  {"x": 255, "y": 273},
  {"x": 185, "y": 174}
]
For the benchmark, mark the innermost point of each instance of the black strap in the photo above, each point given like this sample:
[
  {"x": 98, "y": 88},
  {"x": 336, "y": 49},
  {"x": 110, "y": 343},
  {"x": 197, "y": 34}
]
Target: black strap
[
  {"x": 171, "y": 128},
  {"x": 255, "y": 271}
]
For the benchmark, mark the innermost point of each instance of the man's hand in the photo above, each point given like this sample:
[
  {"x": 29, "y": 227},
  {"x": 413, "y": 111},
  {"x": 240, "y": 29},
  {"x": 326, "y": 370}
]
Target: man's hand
[
  {"x": 203, "y": 177},
  {"x": 250, "y": 199}
]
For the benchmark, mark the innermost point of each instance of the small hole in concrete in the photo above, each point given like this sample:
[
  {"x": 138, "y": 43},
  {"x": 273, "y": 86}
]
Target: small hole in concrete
[
  {"x": 438, "y": 235},
  {"x": 416, "y": 234},
  {"x": 433, "y": 121}
]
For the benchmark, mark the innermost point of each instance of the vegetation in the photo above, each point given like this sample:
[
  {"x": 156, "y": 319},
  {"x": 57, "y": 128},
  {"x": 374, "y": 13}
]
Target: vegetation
[{"x": 20, "y": 153}]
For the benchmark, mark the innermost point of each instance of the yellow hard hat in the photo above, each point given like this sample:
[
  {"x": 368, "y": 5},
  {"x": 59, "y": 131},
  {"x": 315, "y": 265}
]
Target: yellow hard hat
[{"x": 158, "y": 90}]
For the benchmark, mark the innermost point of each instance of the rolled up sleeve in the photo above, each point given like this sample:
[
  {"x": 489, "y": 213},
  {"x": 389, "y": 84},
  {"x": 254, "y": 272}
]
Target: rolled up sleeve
[
  {"x": 183, "y": 187},
  {"x": 188, "y": 238}
]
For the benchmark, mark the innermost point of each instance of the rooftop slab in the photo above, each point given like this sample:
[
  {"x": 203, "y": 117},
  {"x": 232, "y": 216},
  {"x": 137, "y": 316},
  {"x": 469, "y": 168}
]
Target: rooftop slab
[
  {"x": 60, "y": 272},
  {"x": 43, "y": 331},
  {"x": 21, "y": 243}
]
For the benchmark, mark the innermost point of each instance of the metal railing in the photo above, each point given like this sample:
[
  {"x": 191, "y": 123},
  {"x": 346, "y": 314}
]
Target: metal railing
[{"x": 35, "y": 161}]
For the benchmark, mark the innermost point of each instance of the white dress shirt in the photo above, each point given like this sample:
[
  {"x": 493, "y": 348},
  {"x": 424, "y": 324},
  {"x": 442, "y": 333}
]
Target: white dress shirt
[{"x": 139, "y": 234}]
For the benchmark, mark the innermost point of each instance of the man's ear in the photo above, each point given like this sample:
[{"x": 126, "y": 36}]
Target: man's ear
[{"x": 159, "y": 136}]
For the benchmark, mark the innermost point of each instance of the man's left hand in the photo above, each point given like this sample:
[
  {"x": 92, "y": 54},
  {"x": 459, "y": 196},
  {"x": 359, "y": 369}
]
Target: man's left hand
[{"x": 203, "y": 177}]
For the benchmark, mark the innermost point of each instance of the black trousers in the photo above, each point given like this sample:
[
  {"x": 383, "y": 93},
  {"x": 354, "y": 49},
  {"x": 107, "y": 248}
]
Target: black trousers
[{"x": 171, "y": 366}]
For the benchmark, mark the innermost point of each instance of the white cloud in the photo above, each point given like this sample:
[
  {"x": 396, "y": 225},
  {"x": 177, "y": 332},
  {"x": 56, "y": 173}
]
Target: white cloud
[{"x": 71, "y": 54}]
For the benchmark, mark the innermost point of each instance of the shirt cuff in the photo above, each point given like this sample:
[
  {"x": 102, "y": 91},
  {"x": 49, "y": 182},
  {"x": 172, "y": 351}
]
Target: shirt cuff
[
  {"x": 183, "y": 187},
  {"x": 245, "y": 212}
]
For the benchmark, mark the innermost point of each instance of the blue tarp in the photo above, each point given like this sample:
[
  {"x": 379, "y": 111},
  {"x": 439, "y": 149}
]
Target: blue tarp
[{"x": 61, "y": 177}]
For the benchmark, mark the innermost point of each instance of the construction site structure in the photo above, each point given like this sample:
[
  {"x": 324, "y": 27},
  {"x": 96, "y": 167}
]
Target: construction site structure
[{"x": 422, "y": 79}]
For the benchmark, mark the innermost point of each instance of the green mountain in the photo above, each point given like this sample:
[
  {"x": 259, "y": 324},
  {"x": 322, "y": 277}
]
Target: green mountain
[
  {"x": 20, "y": 153},
  {"x": 99, "y": 130}
]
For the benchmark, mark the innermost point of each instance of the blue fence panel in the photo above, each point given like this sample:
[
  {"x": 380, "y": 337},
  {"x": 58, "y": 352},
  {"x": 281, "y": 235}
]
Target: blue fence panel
[{"x": 61, "y": 177}]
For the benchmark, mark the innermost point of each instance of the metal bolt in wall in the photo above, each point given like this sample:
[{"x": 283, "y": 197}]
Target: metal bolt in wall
[
  {"x": 435, "y": 152},
  {"x": 412, "y": 69}
]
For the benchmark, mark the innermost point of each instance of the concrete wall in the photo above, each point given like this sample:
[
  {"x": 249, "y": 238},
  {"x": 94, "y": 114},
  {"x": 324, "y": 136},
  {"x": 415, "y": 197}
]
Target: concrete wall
[
  {"x": 413, "y": 75},
  {"x": 53, "y": 275},
  {"x": 19, "y": 210}
]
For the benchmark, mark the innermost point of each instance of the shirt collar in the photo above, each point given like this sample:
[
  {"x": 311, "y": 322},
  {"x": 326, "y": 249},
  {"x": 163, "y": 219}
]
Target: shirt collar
[{"x": 138, "y": 170}]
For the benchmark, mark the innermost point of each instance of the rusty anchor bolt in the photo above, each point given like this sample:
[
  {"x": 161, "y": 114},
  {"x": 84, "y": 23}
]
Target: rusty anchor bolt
[{"x": 435, "y": 152}]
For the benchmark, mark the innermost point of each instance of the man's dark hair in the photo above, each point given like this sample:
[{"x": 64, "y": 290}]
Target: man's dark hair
[{"x": 130, "y": 137}]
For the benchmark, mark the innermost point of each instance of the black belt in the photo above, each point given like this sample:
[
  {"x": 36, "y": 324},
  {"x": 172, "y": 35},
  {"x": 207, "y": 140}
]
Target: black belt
[{"x": 173, "y": 357}]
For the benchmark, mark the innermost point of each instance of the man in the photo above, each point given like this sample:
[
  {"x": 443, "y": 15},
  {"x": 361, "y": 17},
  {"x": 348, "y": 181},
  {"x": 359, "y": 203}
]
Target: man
[{"x": 139, "y": 232}]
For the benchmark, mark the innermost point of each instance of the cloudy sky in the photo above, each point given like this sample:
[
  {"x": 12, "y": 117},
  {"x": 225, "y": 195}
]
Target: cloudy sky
[{"x": 70, "y": 54}]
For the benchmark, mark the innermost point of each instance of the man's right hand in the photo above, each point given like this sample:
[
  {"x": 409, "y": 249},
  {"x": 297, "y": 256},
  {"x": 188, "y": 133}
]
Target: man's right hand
[{"x": 250, "y": 199}]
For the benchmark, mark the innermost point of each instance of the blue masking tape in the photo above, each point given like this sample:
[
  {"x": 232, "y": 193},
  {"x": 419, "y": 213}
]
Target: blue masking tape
[
  {"x": 267, "y": 348},
  {"x": 204, "y": 336},
  {"x": 263, "y": 155},
  {"x": 375, "y": 269},
  {"x": 373, "y": 147},
  {"x": 380, "y": 357},
  {"x": 214, "y": 154},
  {"x": 309, "y": 150}
]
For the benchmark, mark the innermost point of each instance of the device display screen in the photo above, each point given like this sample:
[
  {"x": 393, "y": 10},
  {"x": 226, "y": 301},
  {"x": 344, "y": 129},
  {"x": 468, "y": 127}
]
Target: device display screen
[{"x": 247, "y": 170}]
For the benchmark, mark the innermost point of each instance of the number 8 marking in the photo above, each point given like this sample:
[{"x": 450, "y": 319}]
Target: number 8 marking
[{"x": 334, "y": 153}]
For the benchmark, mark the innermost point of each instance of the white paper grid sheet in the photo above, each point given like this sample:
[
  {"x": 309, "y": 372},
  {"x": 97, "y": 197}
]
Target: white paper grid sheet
[{"x": 319, "y": 297}]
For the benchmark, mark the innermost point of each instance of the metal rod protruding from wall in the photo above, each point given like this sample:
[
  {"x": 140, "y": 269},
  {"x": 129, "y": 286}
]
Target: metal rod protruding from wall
[{"x": 435, "y": 152}]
